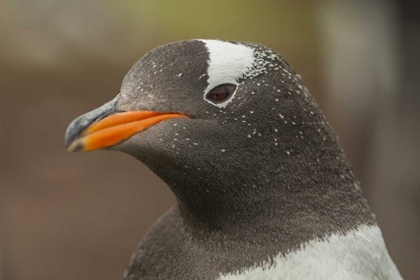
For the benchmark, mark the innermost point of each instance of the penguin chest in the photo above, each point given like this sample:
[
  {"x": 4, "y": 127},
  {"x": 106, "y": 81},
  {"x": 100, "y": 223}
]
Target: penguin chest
[{"x": 357, "y": 255}]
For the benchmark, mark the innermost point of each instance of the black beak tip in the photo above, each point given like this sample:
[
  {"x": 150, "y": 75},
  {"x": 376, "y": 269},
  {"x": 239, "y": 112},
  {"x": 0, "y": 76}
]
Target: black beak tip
[
  {"x": 77, "y": 126},
  {"x": 71, "y": 134}
]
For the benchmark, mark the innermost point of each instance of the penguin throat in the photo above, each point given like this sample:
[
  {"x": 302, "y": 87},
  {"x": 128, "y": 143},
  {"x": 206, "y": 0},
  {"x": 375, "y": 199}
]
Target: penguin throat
[{"x": 289, "y": 211}]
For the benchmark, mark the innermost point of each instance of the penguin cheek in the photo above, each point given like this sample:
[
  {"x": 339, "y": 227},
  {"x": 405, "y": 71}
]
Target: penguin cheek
[
  {"x": 145, "y": 144},
  {"x": 138, "y": 144}
]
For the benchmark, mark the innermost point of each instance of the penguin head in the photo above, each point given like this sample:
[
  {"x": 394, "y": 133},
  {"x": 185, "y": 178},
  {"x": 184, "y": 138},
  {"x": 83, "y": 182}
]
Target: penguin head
[{"x": 216, "y": 120}]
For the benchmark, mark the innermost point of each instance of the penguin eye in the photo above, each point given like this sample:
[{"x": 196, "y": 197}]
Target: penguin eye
[{"x": 221, "y": 93}]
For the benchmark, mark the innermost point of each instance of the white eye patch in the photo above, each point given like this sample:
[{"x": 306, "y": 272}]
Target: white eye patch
[{"x": 227, "y": 64}]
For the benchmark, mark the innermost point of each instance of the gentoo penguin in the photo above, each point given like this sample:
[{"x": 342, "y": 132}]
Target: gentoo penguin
[{"x": 264, "y": 191}]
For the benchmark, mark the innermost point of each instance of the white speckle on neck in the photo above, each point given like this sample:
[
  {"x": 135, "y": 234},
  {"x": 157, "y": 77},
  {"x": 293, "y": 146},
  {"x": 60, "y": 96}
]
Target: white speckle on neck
[
  {"x": 227, "y": 64},
  {"x": 358, "y": 255}
]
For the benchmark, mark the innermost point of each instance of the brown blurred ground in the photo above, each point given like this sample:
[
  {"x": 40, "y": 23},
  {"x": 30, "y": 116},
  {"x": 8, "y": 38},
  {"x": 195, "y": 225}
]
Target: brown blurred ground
[
  {"x": 80, "y": 216},
  {"x": 68, "y": 216}
]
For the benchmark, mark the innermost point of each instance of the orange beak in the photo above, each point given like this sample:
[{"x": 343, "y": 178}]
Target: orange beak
[{"x": 115, "y": 128}]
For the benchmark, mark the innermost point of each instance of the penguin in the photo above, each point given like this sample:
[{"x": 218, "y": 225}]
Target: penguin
[{"x": 263, "y": 189}]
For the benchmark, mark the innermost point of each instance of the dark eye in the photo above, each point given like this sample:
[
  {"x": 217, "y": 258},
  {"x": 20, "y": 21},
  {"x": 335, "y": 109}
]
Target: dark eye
[{"x": 221, "y": 93}]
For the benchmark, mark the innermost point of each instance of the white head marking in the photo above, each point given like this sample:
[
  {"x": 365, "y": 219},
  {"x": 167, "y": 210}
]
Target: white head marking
[{"x": 227, "y": 64}]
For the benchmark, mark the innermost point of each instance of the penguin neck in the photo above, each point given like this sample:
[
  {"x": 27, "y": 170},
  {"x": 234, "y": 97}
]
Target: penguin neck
[{"x": 305, "y": 201}]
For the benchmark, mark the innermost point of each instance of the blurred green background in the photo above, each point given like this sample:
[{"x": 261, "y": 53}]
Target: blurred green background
[{"x": 80, "y": 216}]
